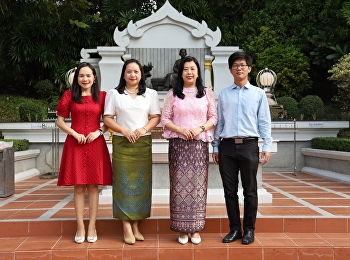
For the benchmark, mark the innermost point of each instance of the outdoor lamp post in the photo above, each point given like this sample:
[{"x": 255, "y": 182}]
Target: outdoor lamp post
[{"x": 266, "y": 79}]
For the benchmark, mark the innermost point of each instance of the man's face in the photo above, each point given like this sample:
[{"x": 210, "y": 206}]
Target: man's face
[
  {"x": 240, "y": 69},
  {"x": 183, "y": 53}
]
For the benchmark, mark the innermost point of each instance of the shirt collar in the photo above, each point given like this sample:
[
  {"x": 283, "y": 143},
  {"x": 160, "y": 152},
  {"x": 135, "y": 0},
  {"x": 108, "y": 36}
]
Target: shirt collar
[{"x": 248, "y": 85}]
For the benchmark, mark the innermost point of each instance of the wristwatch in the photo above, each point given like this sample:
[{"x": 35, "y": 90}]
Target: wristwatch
[{"x": 203, "y": 128}]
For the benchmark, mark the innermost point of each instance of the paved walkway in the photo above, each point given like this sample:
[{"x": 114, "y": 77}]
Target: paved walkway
[
  {"x": 298, "y": 196},
  {"x": 309, "y": 218}
]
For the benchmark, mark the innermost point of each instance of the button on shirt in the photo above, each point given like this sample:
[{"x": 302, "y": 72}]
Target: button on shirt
[{"x": 243, "y": 112}]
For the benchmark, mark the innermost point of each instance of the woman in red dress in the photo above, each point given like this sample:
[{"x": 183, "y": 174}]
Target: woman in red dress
[{"x": 85, "y": 159}]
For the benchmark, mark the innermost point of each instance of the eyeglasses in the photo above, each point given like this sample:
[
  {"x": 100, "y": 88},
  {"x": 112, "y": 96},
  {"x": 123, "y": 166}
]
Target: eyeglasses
[{"x": 236, "y": 66}]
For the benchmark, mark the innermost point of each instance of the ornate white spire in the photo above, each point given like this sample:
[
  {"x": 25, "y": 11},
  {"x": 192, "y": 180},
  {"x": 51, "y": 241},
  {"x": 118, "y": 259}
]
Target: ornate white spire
[{"x": 162, "y": 25}]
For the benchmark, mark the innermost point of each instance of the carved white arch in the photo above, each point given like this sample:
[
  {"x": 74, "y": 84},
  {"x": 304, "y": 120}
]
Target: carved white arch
[{"x": 167, "y": 21}]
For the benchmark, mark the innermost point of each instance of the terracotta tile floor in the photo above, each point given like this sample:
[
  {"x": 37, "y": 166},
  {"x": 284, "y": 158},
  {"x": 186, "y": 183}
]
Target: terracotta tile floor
[
  {"x": 293, "y": 196},
  {"x": 309, "y": 218}
]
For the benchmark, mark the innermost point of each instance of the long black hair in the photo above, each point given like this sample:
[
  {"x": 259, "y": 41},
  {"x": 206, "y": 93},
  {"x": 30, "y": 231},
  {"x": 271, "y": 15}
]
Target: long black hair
[
  {"x": 180, "y": 82},
  {"x": 76, "y": 88},
  {"x": 122, "y": 82}
]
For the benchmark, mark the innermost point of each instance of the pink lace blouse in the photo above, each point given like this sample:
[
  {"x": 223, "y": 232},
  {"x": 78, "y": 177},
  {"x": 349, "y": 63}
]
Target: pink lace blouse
[{"x": 189, "y": 112}]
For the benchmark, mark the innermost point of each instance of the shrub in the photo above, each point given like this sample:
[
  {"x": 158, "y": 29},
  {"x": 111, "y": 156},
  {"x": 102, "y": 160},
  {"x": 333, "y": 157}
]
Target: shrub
[
  {"x": 330, "y": 113},
  {"x": 44, "y": 89},
  {"x": 344, "y": 133},
  {"x": 30, "y": 111},
  {"x": 18, "y": 144},
  {"x": 341, "y": 76},
  {"x": 52, "y": 106},
  {"x": 311, "y": 106},
  {"x": 331, "y": 143},
  {"x": 290, "y": 105}
]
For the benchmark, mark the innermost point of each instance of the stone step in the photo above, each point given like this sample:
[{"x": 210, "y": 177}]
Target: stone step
[
  {"x": 275, "y": 238},
  {"x": 161, "y": 225}
]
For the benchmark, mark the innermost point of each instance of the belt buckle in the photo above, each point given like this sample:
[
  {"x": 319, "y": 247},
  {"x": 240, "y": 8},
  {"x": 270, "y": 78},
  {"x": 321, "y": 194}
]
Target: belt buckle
[{"x": 238, "y": 140}]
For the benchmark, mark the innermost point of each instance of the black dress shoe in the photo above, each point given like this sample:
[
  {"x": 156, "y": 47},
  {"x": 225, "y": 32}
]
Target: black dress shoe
[
  {"x": 248, "y": 237},
  {"x": 232, "y": 236}
]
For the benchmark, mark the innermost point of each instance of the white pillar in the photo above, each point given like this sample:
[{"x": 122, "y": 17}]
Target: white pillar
[
  {"x": 222, "y": 76},
  {"x": 111, "y": 65}
]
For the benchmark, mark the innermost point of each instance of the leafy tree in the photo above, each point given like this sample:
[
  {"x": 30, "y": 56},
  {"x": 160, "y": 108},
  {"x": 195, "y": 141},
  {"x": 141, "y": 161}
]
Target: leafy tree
[
  {"x": 295, "y": 22},
  {"x": 311, "y": 106},
  {"x": 328, "y": 50},
  {"x": 317, "y": 28},
  {"x": 259, "y": 43},
  {"x": 290, "y": 65},
  {"x": 290, "y": 105},
  {"x": 341, "y": 76},
  {"x": 114, "y": 14},
  {"x": 44, "y": 38}
]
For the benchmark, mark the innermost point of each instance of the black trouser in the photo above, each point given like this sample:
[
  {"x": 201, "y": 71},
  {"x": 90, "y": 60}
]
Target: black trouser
[{"x": 243, "y": 158}]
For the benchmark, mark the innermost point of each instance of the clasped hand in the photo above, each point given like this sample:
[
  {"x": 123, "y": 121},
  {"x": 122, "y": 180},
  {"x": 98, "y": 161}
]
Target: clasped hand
[
  {"x": 133, "y": 136},
  {"x": 190, "y": 133},
  {"x": 82, "y": 139}
]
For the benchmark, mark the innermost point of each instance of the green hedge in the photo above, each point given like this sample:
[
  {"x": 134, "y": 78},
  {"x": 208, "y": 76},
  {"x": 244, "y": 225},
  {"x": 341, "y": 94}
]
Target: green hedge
[
  {"x": 18, "y": 144},
  {"x": 331, "y": 143},
  {"x": 31, "y": 112}
]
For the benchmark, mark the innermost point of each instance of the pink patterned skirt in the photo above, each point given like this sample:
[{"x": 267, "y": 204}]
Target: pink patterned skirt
[{"x": 188, "y": 170}]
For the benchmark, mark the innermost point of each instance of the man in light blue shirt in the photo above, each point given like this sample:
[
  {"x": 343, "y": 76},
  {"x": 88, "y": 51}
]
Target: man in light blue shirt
[{"x": 243, "y": 117}]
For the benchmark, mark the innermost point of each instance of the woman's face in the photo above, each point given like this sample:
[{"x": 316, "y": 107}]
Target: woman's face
[
  {"x": 190, "y": 74},
  {"x": 86, "y": 78},
  {"x": 132, "y": 75}
]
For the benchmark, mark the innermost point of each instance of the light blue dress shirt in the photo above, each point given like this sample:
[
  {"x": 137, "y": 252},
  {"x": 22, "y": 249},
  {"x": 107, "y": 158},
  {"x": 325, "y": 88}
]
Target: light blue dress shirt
[{"x": 243, "y": 112}]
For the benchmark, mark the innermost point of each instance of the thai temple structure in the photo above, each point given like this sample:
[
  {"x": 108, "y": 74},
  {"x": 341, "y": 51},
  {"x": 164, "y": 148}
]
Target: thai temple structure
[{"x": 157, "y": 39}]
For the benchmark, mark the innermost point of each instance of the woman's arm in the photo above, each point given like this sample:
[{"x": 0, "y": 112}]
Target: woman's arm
[
  {"x": 67, "y": 129},
  {"x": 109, "y": 121}
]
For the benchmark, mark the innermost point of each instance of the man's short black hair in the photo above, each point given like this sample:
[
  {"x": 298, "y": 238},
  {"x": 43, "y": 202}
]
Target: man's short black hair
[{"x": 239, "y": 55}]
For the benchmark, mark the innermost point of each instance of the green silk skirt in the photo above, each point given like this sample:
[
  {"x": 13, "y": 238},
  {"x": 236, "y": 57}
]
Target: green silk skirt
[{"x": 132, "y": 178}]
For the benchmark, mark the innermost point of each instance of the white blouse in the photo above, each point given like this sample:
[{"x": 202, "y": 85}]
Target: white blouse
[{"x": 132, "y": 113}]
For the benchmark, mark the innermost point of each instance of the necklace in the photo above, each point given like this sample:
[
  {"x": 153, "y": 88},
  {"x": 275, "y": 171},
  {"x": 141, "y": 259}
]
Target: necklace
[{"x": 130, "y": 92}]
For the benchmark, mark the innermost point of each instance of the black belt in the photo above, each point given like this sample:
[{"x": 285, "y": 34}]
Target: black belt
[{"x": 240, "y": 140}]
